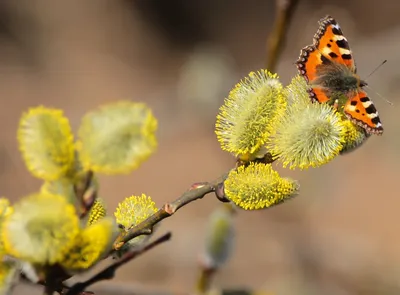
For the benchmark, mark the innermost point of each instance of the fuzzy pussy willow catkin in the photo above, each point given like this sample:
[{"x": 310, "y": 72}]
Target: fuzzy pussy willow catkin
[
  {"x": 309, "y": 134},
  {"x": 249, "y": 114},
  {"x": 258, "y": 186}
]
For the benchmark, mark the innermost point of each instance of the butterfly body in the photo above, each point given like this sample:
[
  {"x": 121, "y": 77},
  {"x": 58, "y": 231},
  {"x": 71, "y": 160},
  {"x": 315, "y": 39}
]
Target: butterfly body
[{"x": 329, "y": 68}]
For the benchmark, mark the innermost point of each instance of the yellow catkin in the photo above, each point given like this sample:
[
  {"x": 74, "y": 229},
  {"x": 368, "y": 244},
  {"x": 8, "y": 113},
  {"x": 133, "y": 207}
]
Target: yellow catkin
[
  {"x": 46, "y": 142},
  {"x": 117, "y": 137},
  {"x": 41, "y": 229},
  {"x": 8, "y": 274},
  {"x": 132, "y": 211},
  {"x": 90, "y": 245},
  {"x": 97, "y": 212},
  {"x": 258, "y": 186},
  {"x": 309, "y": 134},
  {"x": 249, "y": 114},
  {"x": 354, "y": 136}
]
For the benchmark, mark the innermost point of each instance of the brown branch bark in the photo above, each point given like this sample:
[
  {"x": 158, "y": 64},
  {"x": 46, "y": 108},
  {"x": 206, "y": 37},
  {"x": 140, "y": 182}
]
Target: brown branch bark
[
  {"x": 205, "y": 279},
  {"x": 276, "y": 40},
  {"x": 109, "y": 272},
  {"x": 196, "y": 191}
]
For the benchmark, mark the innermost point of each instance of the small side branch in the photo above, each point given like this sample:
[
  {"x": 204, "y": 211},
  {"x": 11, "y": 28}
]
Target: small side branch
[
  {"x": 196, "y": 191},
  {"x": 109, "y": 272},
  {"x": 204, "y": 280},
  {"x": 276, "y": 40}
]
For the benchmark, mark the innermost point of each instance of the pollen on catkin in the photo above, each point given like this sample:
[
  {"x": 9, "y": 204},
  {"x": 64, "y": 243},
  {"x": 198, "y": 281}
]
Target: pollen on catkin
[
  {"x": 132, "y": 211},
  {"x": 97, "y": 212},
  {"x": 5, "y": 208},
  {"x": 249, "y": 114},
  {"x": 258, "y": 186},
  {"x": 9, "y": 273},
  {"x": 41, "y": 229},
  {"x": 354, "y": 136},
  {"x": 90, "y": 245},
  {"x": 309, "y": 134},
  {"x": 296, "y": 92},
  {"x": 117, "y": 137},
  {"x": 46, "y": 142}
]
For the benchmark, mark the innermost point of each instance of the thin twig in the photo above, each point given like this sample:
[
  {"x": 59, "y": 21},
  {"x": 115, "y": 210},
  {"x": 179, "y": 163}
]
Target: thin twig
[
  {"x": 127, "y": 288},
  {"x": 276, "y": 40},
  {"x": 205, "y": 279},
  {"x": 196, "y": 191},
  {"x": 85, "y": 193},
  {"x": 133, "y": 289},
  {"x": 109, "y": 272}
]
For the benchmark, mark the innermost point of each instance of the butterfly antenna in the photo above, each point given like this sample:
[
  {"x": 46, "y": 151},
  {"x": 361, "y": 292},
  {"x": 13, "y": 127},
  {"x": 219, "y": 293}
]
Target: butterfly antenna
[
  {"x": 381, "y": 96},
  {"x": 377, "y": 68}
]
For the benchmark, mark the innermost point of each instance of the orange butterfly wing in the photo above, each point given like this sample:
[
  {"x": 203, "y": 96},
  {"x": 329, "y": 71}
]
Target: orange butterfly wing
[
  {"x": 329, "y": 45},
  {"x": 361, "y": 111}
]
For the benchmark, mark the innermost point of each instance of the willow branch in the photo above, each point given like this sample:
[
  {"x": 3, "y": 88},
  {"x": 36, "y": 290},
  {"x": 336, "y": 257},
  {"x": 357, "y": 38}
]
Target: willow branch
[
  {"x": 276, "y": 40},
  {"x": 133, "y": 289},
  {"x": 196, "y": 191},
  {"x": 205, "y": 278},
  {"x": 109, "y": 272},
  {"x": 127, "y": 288}
]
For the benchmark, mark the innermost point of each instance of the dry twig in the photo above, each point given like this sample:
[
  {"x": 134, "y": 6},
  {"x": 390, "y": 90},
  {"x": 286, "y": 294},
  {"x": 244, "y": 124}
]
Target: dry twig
[
  {"x": 109, "y": 272},
  {"x": 276, "y": 40},
  {"x": 196, "y": 191}
]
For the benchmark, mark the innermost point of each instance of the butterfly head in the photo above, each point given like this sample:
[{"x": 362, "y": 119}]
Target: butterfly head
[{"x": 363, "y": 83}]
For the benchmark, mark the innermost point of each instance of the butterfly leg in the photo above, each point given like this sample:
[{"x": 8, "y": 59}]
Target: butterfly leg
[{"x": 336, "y": 104}]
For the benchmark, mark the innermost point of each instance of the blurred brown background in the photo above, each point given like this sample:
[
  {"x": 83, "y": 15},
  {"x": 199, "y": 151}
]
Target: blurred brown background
[{"x": 340, "y": 236}]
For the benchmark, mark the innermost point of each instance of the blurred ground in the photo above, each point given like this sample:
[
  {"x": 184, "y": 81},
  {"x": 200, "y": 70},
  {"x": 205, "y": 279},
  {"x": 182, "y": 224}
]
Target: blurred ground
[{"x": 181, "y": 57}]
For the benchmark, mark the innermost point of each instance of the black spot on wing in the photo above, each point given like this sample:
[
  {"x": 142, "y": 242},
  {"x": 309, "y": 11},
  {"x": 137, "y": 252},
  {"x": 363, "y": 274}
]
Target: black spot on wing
[
  {"x": 353, "y": 103},
  {"x": 333, "y": 55},
  {"x": 371, "y": 109},
  {"x": 329, "y": 45},
  {"x": 376, "y": 120},
  {"x": 337, "y": 31},
  {"x": 346, "y": 56},
  {"x": 343, "y": 44},
  {"x": 364, "y": 99},
  {"x": 325, "y": 60}
]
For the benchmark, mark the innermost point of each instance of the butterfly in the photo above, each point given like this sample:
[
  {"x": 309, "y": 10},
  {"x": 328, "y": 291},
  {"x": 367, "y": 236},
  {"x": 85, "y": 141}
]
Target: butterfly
[{"x": 330, "y": 71}]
